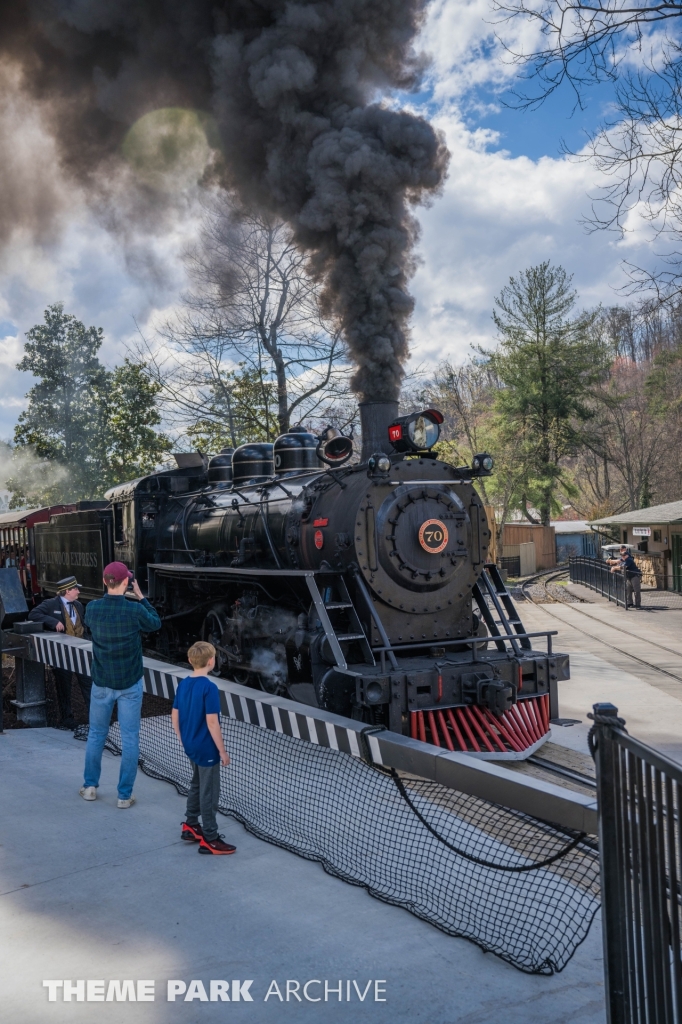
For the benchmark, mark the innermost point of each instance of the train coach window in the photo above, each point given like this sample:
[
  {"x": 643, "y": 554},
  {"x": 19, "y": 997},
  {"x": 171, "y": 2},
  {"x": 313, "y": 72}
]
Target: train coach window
[
  {"x": 148, "y": 512},
  {"x": 118, "y": 524}
]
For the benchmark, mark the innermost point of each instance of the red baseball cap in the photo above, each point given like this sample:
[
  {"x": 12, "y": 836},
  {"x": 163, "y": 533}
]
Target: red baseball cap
[{"x": 119, "y": 571}]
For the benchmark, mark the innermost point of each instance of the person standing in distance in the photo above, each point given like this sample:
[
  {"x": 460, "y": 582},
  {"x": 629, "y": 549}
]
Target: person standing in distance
[
  {"x": 633, "y": 577},
  {"x": 115, "y": 623}
]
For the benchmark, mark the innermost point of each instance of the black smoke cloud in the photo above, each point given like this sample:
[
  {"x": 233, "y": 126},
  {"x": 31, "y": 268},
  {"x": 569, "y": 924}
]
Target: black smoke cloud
[{"x": 293, "y": 89}]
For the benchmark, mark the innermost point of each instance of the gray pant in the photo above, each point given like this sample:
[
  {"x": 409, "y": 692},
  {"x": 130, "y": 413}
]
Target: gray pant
[
  {"x": 203, "y": 797},
  {"x": 634, "y": 591}
]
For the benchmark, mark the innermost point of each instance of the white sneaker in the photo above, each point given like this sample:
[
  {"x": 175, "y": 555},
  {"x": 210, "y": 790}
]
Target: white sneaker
[
  {"x": 126, "y": 803},
  {"x": 88, "y": 792}
]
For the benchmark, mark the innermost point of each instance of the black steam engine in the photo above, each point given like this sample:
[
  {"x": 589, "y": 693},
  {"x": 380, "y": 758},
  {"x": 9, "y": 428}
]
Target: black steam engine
[{"x": 362, "y": 589}]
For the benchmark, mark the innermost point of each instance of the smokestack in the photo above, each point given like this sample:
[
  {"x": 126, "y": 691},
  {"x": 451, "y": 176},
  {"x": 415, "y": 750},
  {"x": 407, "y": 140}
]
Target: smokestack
[{"x": 375, "y": 418}]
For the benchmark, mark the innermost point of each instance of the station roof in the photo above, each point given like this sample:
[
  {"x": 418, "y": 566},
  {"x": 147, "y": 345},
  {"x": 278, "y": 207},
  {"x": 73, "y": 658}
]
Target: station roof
[
  {"x": 570, "y": 526},
  {"x": 671, "y": 512}
]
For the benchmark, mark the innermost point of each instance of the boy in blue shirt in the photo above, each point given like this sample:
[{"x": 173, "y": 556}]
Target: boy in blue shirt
[{"x": 196, "y": 720}]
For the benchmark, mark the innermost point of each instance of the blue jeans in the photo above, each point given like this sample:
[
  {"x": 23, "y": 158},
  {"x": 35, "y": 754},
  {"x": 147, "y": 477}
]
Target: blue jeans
[{"x": 129, "y": 707}]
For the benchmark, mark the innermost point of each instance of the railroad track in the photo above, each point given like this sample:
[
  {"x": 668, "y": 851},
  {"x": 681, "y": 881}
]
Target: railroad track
[
  {"x": 550, "y": 576},
  {"x": 545, "y": 578},
  {"x": 563, "y": 771}
]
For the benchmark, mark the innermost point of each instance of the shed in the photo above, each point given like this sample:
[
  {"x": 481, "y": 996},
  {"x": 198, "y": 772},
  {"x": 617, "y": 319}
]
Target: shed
[
  {"x": 656, "y": 532},
  {"x": 517, "y": 534},
  {"x": 575, "y": 537}
]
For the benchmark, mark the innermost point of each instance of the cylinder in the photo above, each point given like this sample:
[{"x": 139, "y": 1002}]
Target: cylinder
[{"x": 375, "y": 418}]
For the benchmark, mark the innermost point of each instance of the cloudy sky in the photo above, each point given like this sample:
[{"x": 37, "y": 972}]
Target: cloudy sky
[{"x": 511, "y": 200}]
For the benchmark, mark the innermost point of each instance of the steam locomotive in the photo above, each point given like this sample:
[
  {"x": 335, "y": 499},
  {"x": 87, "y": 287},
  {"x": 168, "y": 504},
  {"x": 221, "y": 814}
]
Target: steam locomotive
[{"x": 361, "y": 588}]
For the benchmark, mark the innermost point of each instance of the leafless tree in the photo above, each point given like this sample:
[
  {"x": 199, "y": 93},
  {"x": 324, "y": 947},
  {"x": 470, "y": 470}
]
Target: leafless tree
[
  {"x": 639, "y": 147},
  {"x": 629, "y": 443},
  {"x": 249, "y": 350},
  {"x": 465, "y": 394}
]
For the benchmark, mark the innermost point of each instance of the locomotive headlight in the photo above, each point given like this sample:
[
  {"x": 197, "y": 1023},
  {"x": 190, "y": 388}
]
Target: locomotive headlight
[
  {"x": 374, "y": 692},
  {"x": 482, "y": 465},
  {"x": 417, "y": 432},
  {"x": 379, "y": 463}
]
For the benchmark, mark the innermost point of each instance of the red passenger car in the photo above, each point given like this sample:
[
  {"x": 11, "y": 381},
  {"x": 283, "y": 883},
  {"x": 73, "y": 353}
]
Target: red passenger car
[{"x": 17, "y": 546}]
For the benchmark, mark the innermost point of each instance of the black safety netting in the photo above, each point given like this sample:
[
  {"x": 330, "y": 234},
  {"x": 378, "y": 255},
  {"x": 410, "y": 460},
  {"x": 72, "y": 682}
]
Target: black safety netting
[{"x": 517, "y": 887}]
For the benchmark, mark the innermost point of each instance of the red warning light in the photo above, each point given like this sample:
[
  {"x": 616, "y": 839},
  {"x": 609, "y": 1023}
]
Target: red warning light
[
  {"x": 319, "y": 539},
  {"x": 395, "y": 433}
]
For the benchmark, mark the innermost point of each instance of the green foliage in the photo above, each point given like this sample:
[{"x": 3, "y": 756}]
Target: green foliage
[
  {"x": 85, "y": 427},
  {"x": 129, "y": 446},
  {"x": 243, "y": 407},
  {"x": 663, "y": 386},
  {"x": 547, "y": 364}
]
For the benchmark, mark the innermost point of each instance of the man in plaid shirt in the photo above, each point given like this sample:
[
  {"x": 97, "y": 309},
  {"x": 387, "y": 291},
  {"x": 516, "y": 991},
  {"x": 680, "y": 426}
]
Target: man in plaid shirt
[{"x": 116, "y": 623}]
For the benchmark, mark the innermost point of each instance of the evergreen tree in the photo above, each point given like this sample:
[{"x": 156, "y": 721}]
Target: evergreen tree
[
  {"x": 63, "y": 421},
  {"x": 87, "y": 426},
  {"x": 548, "y": 361},
  {"x": 129, "y": 446}
]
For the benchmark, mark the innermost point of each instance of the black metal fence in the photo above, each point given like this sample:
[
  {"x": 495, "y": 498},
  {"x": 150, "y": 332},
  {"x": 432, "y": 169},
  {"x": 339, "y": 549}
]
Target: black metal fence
[
  {"x": 512, "y": 565},
  {"x": 596, "y": 574},
  {"x": 640, "y": 802}
]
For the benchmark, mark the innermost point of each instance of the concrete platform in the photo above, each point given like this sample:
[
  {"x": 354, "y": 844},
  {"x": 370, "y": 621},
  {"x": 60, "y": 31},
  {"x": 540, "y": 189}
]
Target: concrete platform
[
  {"x": 91, "y": 892},
  {"x": 633, "y": 659}
]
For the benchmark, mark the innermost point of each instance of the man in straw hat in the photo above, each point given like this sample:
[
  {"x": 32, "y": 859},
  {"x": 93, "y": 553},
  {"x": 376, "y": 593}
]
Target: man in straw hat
[{"x": 64, "y": 614}]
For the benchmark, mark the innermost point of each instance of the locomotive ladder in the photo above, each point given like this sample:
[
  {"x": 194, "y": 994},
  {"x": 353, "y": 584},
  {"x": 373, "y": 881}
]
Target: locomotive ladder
[
  {"x": 338, "y": 616},
  {"x": 492, "y": 585}
]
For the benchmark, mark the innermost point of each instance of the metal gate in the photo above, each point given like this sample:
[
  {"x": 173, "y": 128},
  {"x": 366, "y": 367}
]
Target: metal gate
[{"x": 640, "y": 801}]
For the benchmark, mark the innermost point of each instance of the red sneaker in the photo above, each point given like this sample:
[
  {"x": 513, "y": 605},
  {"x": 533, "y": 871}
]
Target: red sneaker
[
  {"x": 215, "y": 846},
  {"x": 191, "y": 833}
]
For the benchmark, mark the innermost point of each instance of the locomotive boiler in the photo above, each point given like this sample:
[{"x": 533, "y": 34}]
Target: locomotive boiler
[{"x": 363, "y": 589}]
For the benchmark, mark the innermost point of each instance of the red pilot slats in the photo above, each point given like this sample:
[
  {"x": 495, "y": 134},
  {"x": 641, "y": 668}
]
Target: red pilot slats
[
  {"x": 507, "y": 730},
  {"x": 455, "y": 729},
  {"x": 432, "y": 726},
  {"x": 528, "y": 709},
  {"x": 420, "y": 724},
  {"x": 490, "y": 725},
  {"x": 467, "y": 729},
  {"x": 469, "y": 712},
  {"x": 476, "y": 730},
  {"x": 440, "y": 718},
  {"x": 521, "y": 727},
  {"x": 533, "y": 709}
]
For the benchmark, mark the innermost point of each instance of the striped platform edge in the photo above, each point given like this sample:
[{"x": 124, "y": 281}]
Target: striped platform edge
[
  {"x": 476, "y": 731},
  {"x": 302, "y": 721},
  {"x": 239, "y": 702}
]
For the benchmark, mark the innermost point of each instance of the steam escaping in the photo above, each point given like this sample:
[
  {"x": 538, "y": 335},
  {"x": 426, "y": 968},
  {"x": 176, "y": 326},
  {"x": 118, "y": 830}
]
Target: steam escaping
[
  {"x": 287, "y": 95},
  {"x": 271, "y": 668},
  {"x": 27, "y": 481}
]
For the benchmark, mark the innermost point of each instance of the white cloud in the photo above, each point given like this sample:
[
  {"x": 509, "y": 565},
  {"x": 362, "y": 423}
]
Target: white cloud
[
  {"x": 471, "y": 46},
  {"x": 497, "y": 216}
]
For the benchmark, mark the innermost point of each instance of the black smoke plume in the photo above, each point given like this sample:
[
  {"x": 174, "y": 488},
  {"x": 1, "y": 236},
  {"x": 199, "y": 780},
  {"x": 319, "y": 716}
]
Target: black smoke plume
[{"x": 294, "y": 90}]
